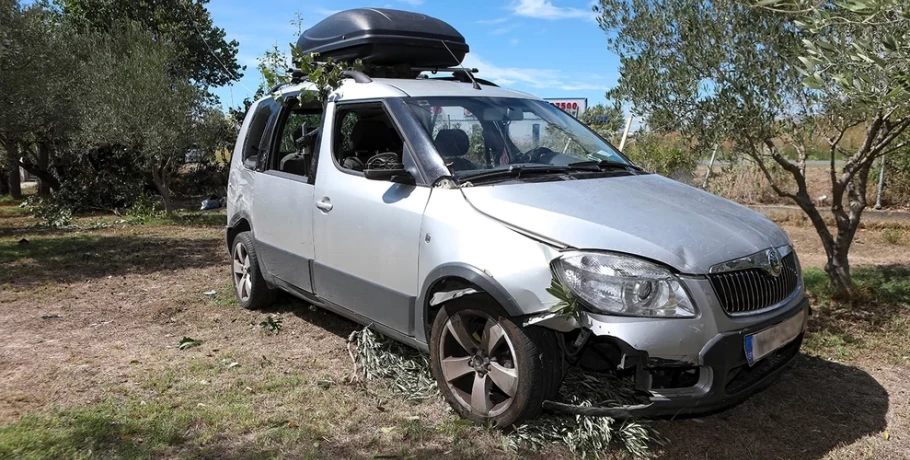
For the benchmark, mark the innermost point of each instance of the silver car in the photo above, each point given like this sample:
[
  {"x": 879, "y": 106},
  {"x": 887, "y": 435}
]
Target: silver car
[{"x": 447, "y": 214}]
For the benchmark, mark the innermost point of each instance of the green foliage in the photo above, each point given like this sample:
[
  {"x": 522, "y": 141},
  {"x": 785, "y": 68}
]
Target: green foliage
[
  {"x": 187, "y": 343},
  {"x": 664, "y": 155},
  {"x": 727, "y": 71},
  {"x": 567, "y": 304},
  {"x": 861, "y": 47},
  {"x": 271, "y": 325},
  {"x": 379, "y": 358},
  {"x": 606, "y": 120},
  {"x": 202, "y": 53},
  {"x": 325, "y": 75},
  {"x": 53, "y": 213},
  {"x": 143, "y": 210}
]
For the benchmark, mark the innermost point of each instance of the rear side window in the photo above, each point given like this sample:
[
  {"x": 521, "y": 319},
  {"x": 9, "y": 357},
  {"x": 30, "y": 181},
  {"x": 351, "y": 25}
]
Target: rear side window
[{"x": 256, "y": 144}]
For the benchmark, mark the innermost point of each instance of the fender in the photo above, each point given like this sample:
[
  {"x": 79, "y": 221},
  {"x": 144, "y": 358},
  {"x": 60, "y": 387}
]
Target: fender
[
  {"x": 470, "y": 274},
  {"x": 234, "y": 220}
]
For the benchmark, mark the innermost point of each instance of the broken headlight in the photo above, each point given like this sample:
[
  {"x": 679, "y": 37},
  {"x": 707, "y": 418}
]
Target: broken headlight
[{"x": 618, "y": 284}]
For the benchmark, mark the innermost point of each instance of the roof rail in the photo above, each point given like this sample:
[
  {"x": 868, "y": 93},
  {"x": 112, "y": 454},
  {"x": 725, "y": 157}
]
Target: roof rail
[
  {"x": 358, "y": 76},
  {"x": 459, "y": 74}
]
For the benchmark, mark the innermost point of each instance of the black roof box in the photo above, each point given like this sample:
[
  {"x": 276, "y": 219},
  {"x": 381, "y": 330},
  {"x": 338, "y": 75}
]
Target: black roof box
[{"x": 385, "y": 37}]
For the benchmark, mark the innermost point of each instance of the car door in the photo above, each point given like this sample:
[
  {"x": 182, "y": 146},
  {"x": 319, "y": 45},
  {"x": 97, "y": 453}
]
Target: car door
[
  {"x": 283, "y": 203},
  {"x": 366, "y": 231}
]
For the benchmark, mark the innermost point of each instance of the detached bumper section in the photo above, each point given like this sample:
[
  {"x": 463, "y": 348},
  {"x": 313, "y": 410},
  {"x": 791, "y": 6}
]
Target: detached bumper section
[{"x": 722, "y": 378}]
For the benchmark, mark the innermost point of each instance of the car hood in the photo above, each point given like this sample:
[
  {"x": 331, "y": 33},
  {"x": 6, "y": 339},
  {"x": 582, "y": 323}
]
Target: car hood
[{"x": 646, "y": 215}]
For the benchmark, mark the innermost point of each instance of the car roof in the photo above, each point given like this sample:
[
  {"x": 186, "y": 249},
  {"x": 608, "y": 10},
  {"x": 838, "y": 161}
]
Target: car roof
[{"x": 418, "y": 87}]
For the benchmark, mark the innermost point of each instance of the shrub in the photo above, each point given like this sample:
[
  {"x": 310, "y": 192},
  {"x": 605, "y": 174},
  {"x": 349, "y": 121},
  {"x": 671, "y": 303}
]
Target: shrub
[{"x": 664, "y": 155}]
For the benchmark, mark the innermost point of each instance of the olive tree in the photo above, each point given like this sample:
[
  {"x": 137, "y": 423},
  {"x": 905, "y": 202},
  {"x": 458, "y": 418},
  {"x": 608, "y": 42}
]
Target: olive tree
[
  {"x": 725, "y": 70},
  {"x": 141, "y": 108}
]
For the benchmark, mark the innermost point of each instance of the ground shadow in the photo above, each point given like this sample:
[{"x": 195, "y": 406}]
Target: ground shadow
[
  {"x": 814, "y": 407},
  {"x": 82, "y": 256},
  {"x": 327, "y": 320}
]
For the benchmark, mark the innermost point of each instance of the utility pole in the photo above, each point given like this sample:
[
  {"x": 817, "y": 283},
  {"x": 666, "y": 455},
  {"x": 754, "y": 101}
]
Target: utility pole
[
  {"x": 625, "y": 134},
  {"x": 710, "y": 167}
]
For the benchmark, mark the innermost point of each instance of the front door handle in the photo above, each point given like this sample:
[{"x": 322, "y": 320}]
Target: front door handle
[{"x": 325, "y": 204}]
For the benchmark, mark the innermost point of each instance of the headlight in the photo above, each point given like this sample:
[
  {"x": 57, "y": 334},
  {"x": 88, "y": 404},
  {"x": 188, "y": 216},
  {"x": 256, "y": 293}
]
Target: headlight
[{"x": 618, "y": 284}]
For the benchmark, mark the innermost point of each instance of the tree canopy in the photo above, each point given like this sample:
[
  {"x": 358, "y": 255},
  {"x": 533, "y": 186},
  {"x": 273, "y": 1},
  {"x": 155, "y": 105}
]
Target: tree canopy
[
  {"x": 725, "y": 70},
  {"x": 201, "y": 50}
]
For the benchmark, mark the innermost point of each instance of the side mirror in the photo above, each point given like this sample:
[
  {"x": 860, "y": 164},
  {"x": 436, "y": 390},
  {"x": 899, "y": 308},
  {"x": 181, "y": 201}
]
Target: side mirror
[{"x": 399, "y": 176}]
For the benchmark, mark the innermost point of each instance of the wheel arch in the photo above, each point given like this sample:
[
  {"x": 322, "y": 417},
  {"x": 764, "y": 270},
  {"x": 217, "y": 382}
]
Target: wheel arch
[
  {"x": 238, "y": 224},
  {"x": 454, "y": 277}
]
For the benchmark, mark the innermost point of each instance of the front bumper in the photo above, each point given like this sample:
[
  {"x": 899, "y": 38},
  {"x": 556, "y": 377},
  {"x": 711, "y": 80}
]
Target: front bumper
[{"x": 725, "y": 377}]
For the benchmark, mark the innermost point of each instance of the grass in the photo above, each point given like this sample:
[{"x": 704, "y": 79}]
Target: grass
[
  {"x": 292, "y": 396},
  {"x": 876, "y": 321},
  {"x": 895, "y": 236}
]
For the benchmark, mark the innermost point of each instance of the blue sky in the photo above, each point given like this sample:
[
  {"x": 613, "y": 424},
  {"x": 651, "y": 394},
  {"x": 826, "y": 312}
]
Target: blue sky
[{"x": 551, "y": 48}]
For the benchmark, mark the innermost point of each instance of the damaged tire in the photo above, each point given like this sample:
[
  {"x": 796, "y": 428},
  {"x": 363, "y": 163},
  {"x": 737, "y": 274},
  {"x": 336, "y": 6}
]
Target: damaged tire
[
  {"x": 252, "y": 291},
  {"x": 490, "y": 369}
]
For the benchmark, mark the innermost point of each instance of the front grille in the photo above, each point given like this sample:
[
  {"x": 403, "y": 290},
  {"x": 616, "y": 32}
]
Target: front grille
[{"x": 744, "y": 291}]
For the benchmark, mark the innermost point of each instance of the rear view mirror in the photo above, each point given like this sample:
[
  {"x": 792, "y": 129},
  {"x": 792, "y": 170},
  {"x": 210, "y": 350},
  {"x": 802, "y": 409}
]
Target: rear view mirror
[
  {"x": 399, "y": 176},
  {"x": 502, "y": 113}
]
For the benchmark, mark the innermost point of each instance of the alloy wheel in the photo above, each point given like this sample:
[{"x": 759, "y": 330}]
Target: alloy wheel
[
  {"x": 243, "y": 281},
  {"x": 478, "y": 363}
]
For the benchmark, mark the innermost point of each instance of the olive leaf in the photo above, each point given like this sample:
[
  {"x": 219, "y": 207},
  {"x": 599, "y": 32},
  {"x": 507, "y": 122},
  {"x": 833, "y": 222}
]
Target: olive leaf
[
  {"x": 188, "y": 342},
  {"x": 568, "y": 305}
]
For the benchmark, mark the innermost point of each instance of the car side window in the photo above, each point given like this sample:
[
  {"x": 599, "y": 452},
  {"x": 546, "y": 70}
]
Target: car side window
[
  {"x": 363, "y": 135},
  {"x": 253, "y": 146},
  {"x": 296, "y": 134}
]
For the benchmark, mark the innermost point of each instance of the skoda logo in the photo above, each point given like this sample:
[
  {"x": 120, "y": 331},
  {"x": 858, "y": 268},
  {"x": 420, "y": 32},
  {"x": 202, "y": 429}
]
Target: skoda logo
[{"x": 772, "y": 266}]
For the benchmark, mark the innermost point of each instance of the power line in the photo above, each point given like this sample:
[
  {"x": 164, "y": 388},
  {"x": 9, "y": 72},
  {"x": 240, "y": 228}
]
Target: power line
[{"x": 212, "y": 52}]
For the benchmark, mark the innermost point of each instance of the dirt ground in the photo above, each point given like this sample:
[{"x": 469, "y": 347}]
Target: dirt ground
[{"x": 91, "y": 320}]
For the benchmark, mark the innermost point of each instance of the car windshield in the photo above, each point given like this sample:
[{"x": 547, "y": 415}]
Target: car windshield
[{"x": 479, "y": 135}]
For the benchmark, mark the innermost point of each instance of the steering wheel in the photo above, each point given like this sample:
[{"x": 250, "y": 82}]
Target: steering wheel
[
  {"x": 540, "y": 155},
  {"x": 387, "y": 160}
]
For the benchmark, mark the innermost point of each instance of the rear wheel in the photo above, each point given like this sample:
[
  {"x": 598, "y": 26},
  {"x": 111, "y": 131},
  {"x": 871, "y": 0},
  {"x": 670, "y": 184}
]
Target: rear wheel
[
  {"x": 249, "y": 285},
  {"x": 489, "y": 369}
]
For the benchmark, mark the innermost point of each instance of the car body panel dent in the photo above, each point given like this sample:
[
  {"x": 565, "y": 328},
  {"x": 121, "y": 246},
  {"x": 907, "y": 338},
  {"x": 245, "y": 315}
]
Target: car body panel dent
[
  {"x": 645, "y": 215},
  {"x": 452, "y": 232}
]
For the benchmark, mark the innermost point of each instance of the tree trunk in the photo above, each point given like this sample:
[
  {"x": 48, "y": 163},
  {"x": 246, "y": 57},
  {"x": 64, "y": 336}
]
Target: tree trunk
[
  {"x": 4, "y": 185},
  {"x": 44, "y": 189},
  {"x": 838, "y": 269},
  {"x": 12, "y": 173},
  {"x": 161, "y": 183}
]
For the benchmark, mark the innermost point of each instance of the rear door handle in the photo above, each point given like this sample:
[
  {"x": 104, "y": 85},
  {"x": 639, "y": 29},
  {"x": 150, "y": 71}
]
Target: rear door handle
[{"x": 325, "y": 204}]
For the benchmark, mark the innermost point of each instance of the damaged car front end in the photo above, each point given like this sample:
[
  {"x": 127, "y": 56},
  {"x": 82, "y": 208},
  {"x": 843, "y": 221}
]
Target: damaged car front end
[{"x": 683, "y": 359}]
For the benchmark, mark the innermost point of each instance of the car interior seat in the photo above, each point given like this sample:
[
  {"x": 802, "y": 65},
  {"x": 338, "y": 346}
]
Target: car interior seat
[
  {"x": 452, "y": 145},
  {"x": 370, "y": 137},
  {"x": 297, "y": 162}
]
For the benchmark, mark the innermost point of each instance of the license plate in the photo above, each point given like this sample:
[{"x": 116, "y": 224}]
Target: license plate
[{"x": 767, "y": 341}]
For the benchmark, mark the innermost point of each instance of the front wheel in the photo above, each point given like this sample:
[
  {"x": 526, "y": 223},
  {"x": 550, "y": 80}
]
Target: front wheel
[{"x": 489, "y": 369}]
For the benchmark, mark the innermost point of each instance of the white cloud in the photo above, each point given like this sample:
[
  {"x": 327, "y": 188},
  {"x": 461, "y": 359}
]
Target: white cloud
[
  {"x": 412, "y": 2},
  {"x": 545, "y": 9},
  {"x": 492, "y": 21},
  {"x": 513, "y": 41},
  {"x": 535, "y": 77},
  {"x": 505, "y": 29}
]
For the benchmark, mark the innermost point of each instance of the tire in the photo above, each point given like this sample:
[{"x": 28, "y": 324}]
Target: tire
[
  {"x": 520, "y": 361},
  {"x": 250, "y": 287}
]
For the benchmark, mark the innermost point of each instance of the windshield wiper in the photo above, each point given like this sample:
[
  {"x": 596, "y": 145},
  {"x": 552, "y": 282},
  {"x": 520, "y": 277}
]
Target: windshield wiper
[
  {"x": 515, "y": 171},
  {"x": 605, "y": 165}
]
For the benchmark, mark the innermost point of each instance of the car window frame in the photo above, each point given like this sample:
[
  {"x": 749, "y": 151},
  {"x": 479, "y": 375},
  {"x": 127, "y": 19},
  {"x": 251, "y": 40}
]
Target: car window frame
[
  {"x": 273, "y": 106},
  {"x": 271, "y": 163},
  {"x": 408, "y": 158}
]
